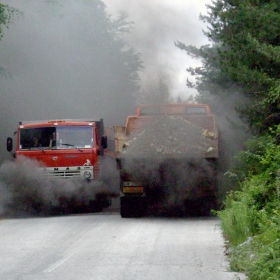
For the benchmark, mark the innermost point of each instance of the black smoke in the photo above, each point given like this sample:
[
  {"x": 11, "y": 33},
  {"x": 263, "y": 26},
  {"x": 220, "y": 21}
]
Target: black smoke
[
  {"x": 175, "y": 187},
  {"x": 24, "y": 192},
  {"x": 158, "y": 24}
]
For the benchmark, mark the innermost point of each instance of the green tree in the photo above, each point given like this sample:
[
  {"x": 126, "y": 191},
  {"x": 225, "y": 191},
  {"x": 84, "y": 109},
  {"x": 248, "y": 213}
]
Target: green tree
[
  {"x": 244, "y": 56},
  {"x": 6, "y": 16}
]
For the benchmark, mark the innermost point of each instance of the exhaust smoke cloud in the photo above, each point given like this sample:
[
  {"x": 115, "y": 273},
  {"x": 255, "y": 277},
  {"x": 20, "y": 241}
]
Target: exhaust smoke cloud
[
  {"x": 24, "y": 192},
  {"x": 157, "y": 25},
  {"x": 184, "y": 187}
]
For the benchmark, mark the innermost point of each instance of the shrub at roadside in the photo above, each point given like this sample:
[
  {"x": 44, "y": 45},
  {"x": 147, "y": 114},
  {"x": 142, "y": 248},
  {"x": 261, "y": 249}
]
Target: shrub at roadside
[{"x": 251, "y": 217}]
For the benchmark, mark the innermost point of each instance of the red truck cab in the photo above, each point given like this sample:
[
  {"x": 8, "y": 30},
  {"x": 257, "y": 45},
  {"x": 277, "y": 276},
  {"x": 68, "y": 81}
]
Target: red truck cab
[{"x": 62, "y": 148}]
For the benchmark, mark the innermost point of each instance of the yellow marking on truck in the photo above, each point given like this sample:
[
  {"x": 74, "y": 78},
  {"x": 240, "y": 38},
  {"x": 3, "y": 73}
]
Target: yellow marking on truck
[{"x": 133, "y": 189}]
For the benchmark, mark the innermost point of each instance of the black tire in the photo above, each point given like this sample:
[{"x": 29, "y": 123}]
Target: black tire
[
  {"x": 95, "y": 206},
  {"x": 132, "y": 207},
  {"x": 125, "y": 208}
]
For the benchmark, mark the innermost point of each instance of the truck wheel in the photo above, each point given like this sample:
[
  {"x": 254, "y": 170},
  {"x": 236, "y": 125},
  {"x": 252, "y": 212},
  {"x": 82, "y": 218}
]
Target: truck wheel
[
  {"x": 125, "y": 210},
  {"x": 132, "y": 207},
  {"x": 95, "y": 206},
  {"x": 103, "y": 199},
  {"x": 208, "y": 204}
]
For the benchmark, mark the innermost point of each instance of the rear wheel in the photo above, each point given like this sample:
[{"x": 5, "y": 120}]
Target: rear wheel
[
  {"x": 132, "y": 207},
  {"x": 95, "y": 206},
  {"x": 103, "y": 199}
]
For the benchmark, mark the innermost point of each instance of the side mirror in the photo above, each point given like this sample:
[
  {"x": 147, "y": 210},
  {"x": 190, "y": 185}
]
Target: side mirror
[
  {"x": 104, "y": 142},
  {"x": 9, "y": 144}
]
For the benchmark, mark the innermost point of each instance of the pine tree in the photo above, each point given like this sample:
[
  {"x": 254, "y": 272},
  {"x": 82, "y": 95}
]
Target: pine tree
[{"x": 244, "y": 56}]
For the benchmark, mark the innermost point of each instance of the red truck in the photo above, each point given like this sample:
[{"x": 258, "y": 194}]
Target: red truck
[
  {"x": 66, "y": 149},
  {"x": 167, "y": 156}
]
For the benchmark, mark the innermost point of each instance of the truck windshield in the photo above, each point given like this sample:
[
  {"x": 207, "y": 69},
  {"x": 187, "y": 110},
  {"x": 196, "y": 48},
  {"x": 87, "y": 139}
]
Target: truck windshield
[{"x": 61, "y": 137}]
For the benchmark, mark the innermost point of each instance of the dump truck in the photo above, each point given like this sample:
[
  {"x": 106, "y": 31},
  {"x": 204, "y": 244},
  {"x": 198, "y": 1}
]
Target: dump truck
[
  {"x": 167, "y": 158},
  {"x": 69, "y": 149}
]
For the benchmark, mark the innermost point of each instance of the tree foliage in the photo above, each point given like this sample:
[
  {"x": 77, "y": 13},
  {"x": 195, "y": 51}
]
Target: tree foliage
[
  {"x": 244, "y": 56},
  {"x": 6, "y": 16},
  {"x": 251, "y": 218}
]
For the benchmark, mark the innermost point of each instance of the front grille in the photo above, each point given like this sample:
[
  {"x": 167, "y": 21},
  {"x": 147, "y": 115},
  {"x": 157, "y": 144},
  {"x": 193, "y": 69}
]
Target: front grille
[
  {"x": 66, "y": 172},
  {"x": 62, "y": 174}
]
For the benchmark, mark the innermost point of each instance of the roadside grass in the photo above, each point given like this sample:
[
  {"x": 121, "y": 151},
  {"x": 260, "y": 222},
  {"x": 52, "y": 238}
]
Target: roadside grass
[{"x": 251, "y": 216}]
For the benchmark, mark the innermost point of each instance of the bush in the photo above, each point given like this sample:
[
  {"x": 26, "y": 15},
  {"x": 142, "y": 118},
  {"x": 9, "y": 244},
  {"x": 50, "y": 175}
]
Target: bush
[{"x": 251, "y": 219}]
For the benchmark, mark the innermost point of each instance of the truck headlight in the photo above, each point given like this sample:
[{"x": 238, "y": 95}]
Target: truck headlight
[{"x": 87, "y": 174}]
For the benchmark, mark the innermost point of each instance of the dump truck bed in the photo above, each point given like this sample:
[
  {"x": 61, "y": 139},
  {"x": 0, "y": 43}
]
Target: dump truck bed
[{"x": 168, "y": 136}]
